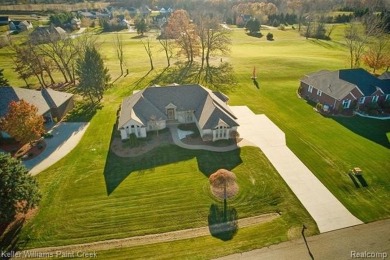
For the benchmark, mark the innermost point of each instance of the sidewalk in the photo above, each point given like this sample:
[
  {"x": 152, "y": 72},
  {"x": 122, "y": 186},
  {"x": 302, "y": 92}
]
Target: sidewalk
[{"x": 325, "y": 209}]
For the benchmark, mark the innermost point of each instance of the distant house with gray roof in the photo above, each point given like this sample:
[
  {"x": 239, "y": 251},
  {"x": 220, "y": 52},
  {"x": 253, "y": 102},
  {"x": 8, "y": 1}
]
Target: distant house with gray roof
[
  {"x": 45, "y": 34},
  {"x": 52, "y": 105},
  {"x": 154, "y": 107},
  {"x": 343, "y": 89},
  {"x": 20, "y": 25}
]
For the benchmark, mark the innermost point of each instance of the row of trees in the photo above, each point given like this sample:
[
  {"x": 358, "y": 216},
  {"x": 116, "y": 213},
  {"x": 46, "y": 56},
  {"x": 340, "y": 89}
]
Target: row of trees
[
  {"x": 72, "y": 58},
  {"x": 42, "y": 60},
  {"x": 197, "y": 40},
  {"x": 368, "y": 41},
  {"x": 202, "y": 38}
]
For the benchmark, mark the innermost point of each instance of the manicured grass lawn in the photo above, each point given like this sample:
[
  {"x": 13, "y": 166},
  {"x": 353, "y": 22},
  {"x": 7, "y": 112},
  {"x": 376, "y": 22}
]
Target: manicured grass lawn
[
  {"x": 86, "y": 198},
  {"x": 205, "y": 247},
  {"x": 90, "y": 193},
  {"x": 328, "y": 146}
]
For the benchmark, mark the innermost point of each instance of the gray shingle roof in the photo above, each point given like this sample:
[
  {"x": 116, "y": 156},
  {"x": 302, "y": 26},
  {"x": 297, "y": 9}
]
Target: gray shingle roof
[
  {"x": 208, "y": 108},
  {"x": 43, "y": 100},
  {"x": 338, "y": 84},
  {"x": 329, "y": 83}
]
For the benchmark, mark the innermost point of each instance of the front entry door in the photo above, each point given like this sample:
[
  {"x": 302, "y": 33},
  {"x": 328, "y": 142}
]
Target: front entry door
[{"x": 171, "y": 113}]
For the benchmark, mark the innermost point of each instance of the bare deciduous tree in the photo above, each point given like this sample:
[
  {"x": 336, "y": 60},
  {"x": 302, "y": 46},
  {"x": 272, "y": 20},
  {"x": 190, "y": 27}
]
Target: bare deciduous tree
[
  {"x": 357, "y": 37},
  {"x": 167, "y": 48},
  {"x": 28, "y": 62},
  {"x": 376, "y": 57},
  {"x": 213, "y": 38},
  {"x": 148, "y": 50},
  {"x": 119, "y": 51}
]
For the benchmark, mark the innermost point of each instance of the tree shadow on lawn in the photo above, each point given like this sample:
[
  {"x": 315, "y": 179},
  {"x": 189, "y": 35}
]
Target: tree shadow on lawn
[
  {"x": 180, "y": 73},
  {"x": 219, "y": 78},
  {"x": 83, "y": 112},
  {"x": 117, "y": 169},
  {"x": 9, "y": 236},
  {"x": 371, "y": 129},
  {"x": 223, "y": 222}
]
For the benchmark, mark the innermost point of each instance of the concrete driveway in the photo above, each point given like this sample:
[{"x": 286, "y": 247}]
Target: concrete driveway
[
  {"x": 325, "y": 209},
  {"x": 65, "y": 137}
]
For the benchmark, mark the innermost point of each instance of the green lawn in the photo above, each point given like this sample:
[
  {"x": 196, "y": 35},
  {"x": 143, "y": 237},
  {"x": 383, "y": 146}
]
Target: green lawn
[
  {"x": 328, "y": 146},
  {"x": 205, "y": 247},
  {"x": 86, "y": 197},
  {"x": 91, "y": 192}
]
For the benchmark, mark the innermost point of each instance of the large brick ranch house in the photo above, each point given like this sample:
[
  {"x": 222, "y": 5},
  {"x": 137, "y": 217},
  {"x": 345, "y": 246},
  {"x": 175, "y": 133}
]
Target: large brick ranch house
[
  {"x": 154, "y": 107},
  {"x": 344, "y": 89}
]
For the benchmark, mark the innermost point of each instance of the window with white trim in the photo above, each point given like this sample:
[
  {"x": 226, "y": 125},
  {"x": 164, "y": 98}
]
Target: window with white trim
[
  {"x": 375, "y": 99},
  {"x": 346, "y": 103},
  {"x": 361, "y": 100},
  {"x": 319, "y": 93},
  {"x": 310, "y": 89}
]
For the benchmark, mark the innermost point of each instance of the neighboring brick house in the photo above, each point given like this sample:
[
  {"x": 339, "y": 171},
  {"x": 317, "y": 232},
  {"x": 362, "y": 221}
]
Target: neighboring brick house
[
  {"x": 154, "y": 107},
  {"x": 344, "y": 89}
]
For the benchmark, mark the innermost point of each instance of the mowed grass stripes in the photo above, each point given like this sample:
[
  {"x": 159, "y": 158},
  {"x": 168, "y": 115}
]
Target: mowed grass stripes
[{"x": 93, "y": 195}]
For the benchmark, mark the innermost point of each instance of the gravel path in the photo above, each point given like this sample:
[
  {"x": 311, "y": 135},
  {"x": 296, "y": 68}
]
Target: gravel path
[{"x": 149, "y": 239}]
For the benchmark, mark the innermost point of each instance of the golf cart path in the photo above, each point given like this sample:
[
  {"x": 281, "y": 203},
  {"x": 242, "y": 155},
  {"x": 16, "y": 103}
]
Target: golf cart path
[
  {"x": 322, "y": 205},
  {"x": 150, "y": 239}
]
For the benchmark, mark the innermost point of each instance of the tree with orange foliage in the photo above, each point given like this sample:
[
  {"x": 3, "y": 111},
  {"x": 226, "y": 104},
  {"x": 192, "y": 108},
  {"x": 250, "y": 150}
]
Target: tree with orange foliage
[
  {"x": 181, "y": 29},
  {"x": 373, "y": 60},
  {"x": 22, "y": 122},
  {"x": 377, "y": 55},
  {"x": 223, "y": 184}
]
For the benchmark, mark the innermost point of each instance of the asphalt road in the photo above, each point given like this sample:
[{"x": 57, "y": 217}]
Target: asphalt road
[{"x": 367, "y": 241}]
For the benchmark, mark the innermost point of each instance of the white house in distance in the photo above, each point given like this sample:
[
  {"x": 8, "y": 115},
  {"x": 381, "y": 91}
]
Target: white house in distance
[{"x": 154, "y": 107}]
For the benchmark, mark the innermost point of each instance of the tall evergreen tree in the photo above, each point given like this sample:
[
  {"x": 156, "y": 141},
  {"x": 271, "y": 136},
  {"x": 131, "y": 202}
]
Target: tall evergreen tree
[
  {"x": 253, "y": 26},
  {"x": 141, "y": 26},
  {"x": 19, "y": 191},
  {"x": 93, "y": 76}
]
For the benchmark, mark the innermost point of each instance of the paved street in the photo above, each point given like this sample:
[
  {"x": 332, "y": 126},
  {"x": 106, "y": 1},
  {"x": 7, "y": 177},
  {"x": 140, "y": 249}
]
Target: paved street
[
  {"x": 371, "y": 240},
  {"x": 325, "y": 209}
]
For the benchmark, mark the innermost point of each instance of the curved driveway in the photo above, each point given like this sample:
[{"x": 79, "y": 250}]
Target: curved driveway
[
  {"x": 65, "y": 137},
  {"x": 325, "y": 209}
]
